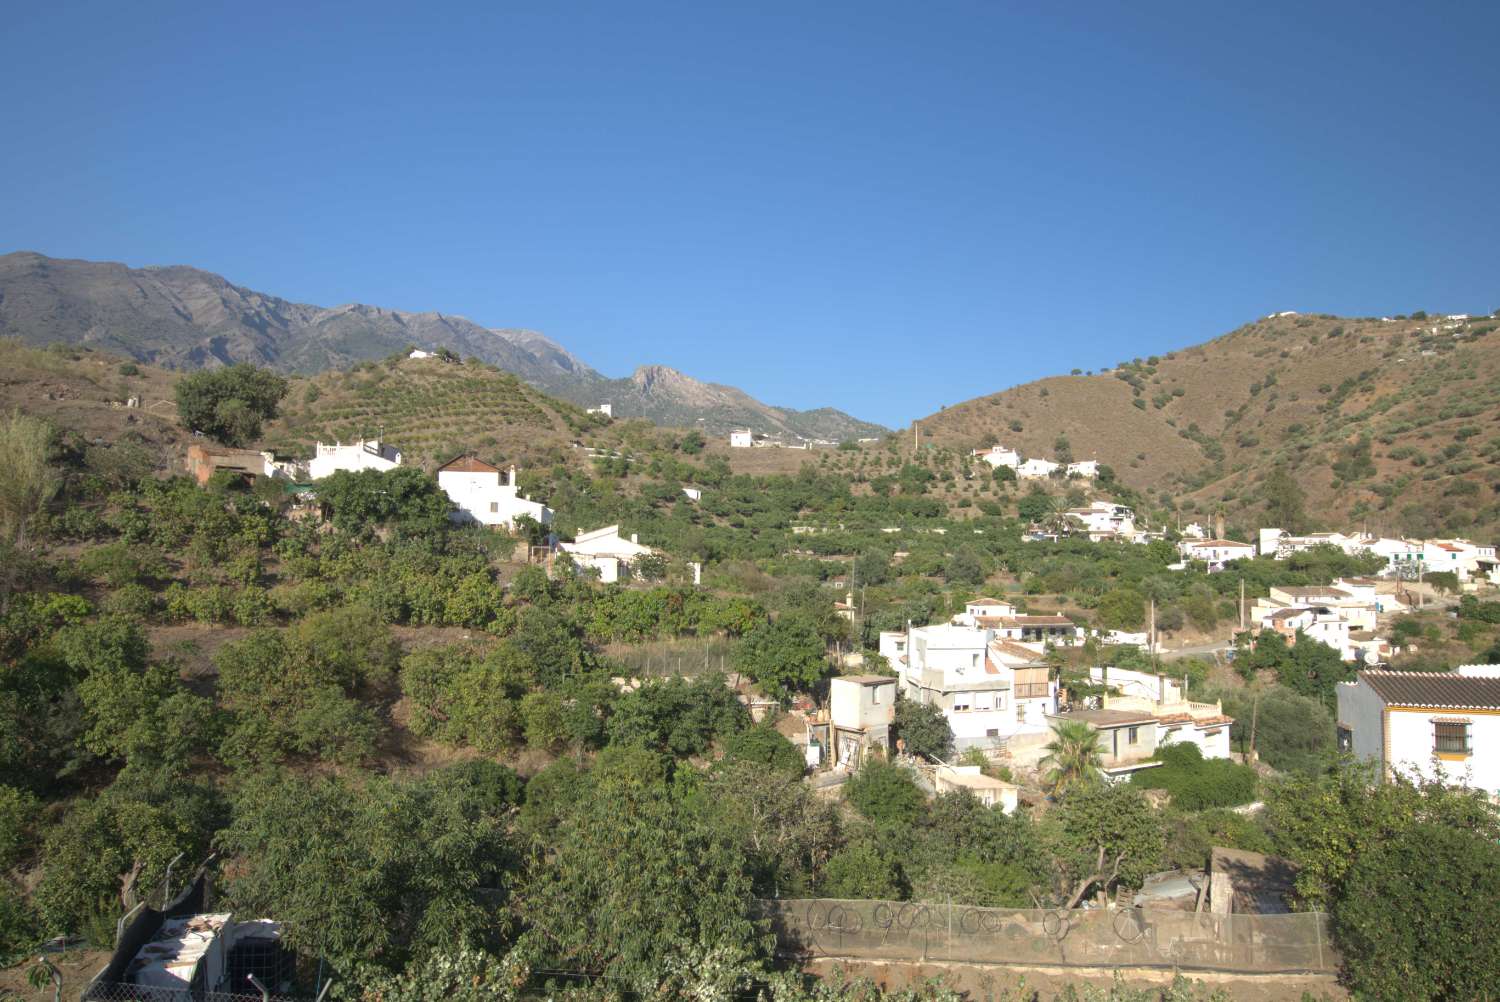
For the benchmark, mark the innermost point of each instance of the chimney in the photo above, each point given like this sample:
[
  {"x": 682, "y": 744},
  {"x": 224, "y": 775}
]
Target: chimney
[{"x": 512, "y": 480}]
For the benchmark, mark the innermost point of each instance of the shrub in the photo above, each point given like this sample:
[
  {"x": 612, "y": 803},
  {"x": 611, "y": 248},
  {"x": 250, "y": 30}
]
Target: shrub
[
  {"x": 1194, "y": 782},
  {"x": 886, "y": 794},
  {"x": 1408, "y": 920}
]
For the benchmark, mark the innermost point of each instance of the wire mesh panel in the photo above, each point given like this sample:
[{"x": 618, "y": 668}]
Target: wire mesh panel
[
  {"x": 913, "y": 931},
  {"x": 122, "y": 992}
]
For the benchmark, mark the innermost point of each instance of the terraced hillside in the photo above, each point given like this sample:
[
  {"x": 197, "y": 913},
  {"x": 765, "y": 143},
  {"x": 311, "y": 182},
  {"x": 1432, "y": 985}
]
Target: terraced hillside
[
  {"x": 431, "y": 410},
  {"x": 1393, "y": 424}
]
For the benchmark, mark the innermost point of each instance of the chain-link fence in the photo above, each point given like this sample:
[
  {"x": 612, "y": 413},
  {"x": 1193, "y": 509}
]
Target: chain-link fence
[
  {"x": 1128, "y": 937},
  {"x": 118, "y": 992}
]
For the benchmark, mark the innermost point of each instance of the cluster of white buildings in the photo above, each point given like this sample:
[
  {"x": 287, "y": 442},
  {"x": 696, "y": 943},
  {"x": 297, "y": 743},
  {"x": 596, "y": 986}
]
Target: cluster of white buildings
[
  {"x": 986, "y": 671},
  {"x": 1408, "y": 559},
  {"x": 1440, "y": 725},
  {"x": 1343, "y": 615},
  {"x": 1035, "y": 468}
]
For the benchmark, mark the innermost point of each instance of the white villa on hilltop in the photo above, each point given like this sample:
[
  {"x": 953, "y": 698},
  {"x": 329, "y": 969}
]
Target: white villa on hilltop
[
  {"x": 363, "y": 454},
  {"x": 476, "y": 488}
]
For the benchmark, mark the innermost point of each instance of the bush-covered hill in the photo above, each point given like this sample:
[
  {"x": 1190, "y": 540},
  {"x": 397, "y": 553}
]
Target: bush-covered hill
[{"x": 1386, "y": 423}]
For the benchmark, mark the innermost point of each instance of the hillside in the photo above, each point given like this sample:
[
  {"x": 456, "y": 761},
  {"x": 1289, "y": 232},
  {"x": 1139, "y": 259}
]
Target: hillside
[
  {"x": 184, "y": 318},
  {"x": 431, "y": 410},
  {"x": 84, "y": 393},
  {"x": 1390, "y": 424}
]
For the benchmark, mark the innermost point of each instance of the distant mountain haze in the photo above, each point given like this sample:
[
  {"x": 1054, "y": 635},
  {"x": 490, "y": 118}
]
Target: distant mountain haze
[{"x": 185, "y": 318}]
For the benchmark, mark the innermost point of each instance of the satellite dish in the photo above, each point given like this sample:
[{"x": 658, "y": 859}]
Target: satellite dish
[{"x": 1371, "y": 658}]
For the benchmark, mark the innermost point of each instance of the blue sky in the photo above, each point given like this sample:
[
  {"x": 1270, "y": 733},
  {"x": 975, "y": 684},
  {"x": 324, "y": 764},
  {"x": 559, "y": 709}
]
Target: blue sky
[{"x": 883, "y": 207}]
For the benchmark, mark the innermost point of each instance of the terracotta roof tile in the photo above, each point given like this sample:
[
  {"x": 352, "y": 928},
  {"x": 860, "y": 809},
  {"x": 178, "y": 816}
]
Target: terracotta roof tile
[{"x": 1438, "y": 690}]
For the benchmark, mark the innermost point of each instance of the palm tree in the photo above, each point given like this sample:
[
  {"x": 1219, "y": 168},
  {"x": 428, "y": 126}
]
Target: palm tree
[{"x": 1072, "y": 757}]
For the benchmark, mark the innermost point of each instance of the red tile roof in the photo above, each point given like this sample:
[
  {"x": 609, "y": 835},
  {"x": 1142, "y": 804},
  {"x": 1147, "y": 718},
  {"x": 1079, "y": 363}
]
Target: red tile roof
[{"x": 467, "y": 464}]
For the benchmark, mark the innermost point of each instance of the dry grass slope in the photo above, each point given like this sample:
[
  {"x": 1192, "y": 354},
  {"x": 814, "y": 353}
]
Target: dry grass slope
[{"x": 1204, "y": 425}]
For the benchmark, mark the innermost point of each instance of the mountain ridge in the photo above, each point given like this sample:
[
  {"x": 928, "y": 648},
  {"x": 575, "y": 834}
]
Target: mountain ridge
[{"x": 183, "y": 317}]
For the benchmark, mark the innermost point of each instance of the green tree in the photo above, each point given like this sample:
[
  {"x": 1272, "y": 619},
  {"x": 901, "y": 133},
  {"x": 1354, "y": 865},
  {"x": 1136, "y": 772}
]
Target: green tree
[
  {"x": 1284, "y": 500},
  {"x": 862, "y": 870},
  {"x": 405, "y": 498},
  {"x": 639, "y": 886},
  {"x": 1035, "y": 506},
  {"x": 1324, "y": 824},
  {"x": 1073, "y": 758},
  {"x": 764, "y": 745},
  {"x": 1122, "y": 609},
  {"x": 1410, "y": 916},
  {"x": 1102, "y": 835},
  {"x": 964, "y": 567},
  {"x": 785, "y": 831},
  {"x": 924, "y": 729},
  {"x": 369, "y": 870},
  {"x": 783, "y": 656},
  {"x": 28, "y": 481},
  {"x": 230, "y": 403},
  {"x": 885, "y": 793}
]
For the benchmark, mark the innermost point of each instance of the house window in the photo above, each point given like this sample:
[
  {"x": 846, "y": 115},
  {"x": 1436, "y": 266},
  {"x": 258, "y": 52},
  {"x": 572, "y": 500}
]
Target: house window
[
  {"x": 962, "y": 701},
  {"x": 494, "y": 507},
  {"x": 1346, "y": 738},
  {"x": 875, "y": 695},
  {"x": 1133, "y": 735},
  {"x": 984, "y": 701},
  {"x": 1450, "y": 737},
  {"x": 993, "y": 732},
  {"x": 973, "y": 660}
]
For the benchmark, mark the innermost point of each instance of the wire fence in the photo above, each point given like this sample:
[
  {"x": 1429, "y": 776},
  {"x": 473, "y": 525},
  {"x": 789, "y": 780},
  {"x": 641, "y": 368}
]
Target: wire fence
[
  {"x": 1102, "y": 937},
  {"x": 121, "y": 992}
]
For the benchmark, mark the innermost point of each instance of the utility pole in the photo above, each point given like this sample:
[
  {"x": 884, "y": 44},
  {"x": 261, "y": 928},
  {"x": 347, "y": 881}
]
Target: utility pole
[
  {"x": 1151, "y": 636},
  {"x": 1242, "y": 605}
]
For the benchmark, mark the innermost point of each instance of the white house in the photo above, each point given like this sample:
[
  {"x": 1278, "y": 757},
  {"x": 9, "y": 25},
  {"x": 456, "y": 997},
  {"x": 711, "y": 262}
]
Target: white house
[
  {"x": 608, "y": 410},
  {"x": 1318, "y": 623},
  {"x": 419, "y": 353},
  {"x": 861, "y": 710},
  {"x": 1403, "y": 558},
  {"x": 1037, "y": 469},
  {"x": 1178, "y": 719},
  {"x": 1087, "y": 468},
  {"x": 987, "y": 790},
  {"x": 1039, "y": 630},
  {"x": 481, "y": 496},
  {"x": 1104, "y": 518},
  {"x": 998, "y": 456},
  {"x": 1215, "y": 552},
  {"x": 741, "y": 439},
  {"x": 1457, "y": 555},
  {"x": 986, "y": 612},
  {"x": 605, "y": 551},
  {"x": 1442, "y": 725},
  {"x": 363, "y": 454},
  {"x": 693, "y": 493},
  {"x": 990, "y": 689},
  {"x": 1281, "y": 544},
  {"x": 1355, "y": 604}
]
